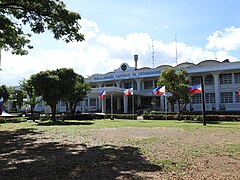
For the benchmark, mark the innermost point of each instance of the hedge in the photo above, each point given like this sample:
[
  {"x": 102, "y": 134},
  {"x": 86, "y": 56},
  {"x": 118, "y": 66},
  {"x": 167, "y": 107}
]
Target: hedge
[{"x": 214, "y": 117}]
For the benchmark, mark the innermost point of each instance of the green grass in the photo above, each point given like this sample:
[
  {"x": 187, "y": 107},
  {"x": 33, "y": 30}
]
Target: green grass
[
  {"x": 171, "y": 165},
  {"x": 46, "y": 126}
]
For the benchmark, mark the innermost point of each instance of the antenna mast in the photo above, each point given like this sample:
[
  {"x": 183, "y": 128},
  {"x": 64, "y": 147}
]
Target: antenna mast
[{"x": 152, "y": 54}]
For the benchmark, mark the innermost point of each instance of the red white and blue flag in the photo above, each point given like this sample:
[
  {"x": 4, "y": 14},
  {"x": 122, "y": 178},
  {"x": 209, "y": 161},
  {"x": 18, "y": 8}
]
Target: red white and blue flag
[
  {"x": 162, "y": 90},
  {"x": 128, "y": 92},
  {"x": 239, "y": 91},
  {"x": 195, "y": 89},
  {"x": 159, "y": 90},
  {"x": 102, "y": 94}
]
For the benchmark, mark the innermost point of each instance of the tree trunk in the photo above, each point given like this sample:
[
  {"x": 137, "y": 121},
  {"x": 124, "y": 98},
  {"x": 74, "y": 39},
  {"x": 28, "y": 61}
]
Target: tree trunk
[
  {"x": 179, "y": 110},
  {"x": 71, "y": 110},
  {"x": 74, "y": 106},
  {"x": 53, "y": 107},
  {"x": 31, "y": 109}
]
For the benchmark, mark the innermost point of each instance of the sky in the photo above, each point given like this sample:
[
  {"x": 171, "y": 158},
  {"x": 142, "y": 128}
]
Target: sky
[{"x": 117, "y": 30}]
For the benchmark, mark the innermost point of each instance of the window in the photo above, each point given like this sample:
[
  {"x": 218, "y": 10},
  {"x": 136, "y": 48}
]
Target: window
[
  {"x": 127, "y": 85},
  {"x": 237, "y": 97},
  {"x": 196, "y": 80},
  {"x": 225, "y": 78},
  {"x": 210, "y": 97},
  {"x": 148, "y": 84},
  {"x": 63, "y": 103},
  {"x": 197, "y": 98},
  {"x": 237, "y": 77},
  {"x": 226, "y": 97},
  {"x": 109, "y": 84},
  {"x": 93, "y": 85},
  {"x": 79, "y": 103},
  {"x": 93, "y": 102},
  {"x": 209, "y": 80}
]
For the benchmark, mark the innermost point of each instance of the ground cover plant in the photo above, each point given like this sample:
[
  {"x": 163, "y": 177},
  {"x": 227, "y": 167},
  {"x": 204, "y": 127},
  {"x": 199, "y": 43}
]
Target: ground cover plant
[{"x": 120, "y": 149}]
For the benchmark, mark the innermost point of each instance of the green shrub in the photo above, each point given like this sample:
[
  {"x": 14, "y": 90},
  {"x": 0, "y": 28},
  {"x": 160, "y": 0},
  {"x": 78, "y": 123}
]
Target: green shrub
[
  {"x": 121, "y": 116},
  {"x": 77, "y": 117}
]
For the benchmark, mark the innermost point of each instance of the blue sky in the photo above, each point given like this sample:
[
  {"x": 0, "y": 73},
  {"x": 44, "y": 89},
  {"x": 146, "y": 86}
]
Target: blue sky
[{"x": 116, "y": 30}]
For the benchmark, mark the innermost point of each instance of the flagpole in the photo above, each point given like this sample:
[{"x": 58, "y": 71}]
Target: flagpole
[
  {"x": 203, "y": 102},
  {"x": 160, "y": 103},
  {"x": 112, "y": 118},
  {"x": 165, "y": 97},
  {"x": 133, "y": 105},
  {"x": 102, "y": 105}
]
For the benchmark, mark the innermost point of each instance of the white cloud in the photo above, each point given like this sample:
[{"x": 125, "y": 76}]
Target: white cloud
[
  {"x": 227, "y": 40},
  {"x": 100, "y": 53}
]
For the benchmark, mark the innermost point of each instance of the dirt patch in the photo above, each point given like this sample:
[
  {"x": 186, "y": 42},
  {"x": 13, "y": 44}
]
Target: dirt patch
[{"x": 121, "y": 153}]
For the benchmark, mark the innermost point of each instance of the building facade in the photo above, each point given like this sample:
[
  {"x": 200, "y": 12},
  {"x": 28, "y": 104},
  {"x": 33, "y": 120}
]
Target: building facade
[{"x": 221, "y": 82}]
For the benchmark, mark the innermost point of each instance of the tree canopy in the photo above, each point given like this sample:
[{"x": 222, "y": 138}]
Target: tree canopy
[
  {"x": 79, "y": 91},
  {"x": 40, "y": 15},
  {"x": 59, "y": 84},
  {"x": 4, "y": 92},
  {"x": 27, "y": 87},
  {"x": 177, "y": 83}
]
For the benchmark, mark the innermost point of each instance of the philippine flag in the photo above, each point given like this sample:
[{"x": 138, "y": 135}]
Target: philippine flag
[
  {"x": 239, "y": 91},
  {"x": 102, "y": 94},
  {"x": 162, "y": 90},
  {"x": 195, "y": 89},
  {"x": 1, "y": 100},
  {"x": 128, "y": 91},
  {"x": 159, "y": 90}
]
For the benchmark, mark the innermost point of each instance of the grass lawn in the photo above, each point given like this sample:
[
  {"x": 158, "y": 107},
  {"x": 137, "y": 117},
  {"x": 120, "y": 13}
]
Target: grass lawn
[{"x": 120, "y": 149}]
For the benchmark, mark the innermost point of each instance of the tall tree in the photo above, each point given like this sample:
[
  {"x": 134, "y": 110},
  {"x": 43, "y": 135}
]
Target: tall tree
[
  {"x": 27, "y": 86},
  {"x": 77, "y": 94},
  {"x": 58, "y": 84},
  {"x": 40, "y": 15},
  {"x": 4, "y": 92},
  {"x": 17, "y": 96},
  {"x": 47, "y": 85},
  {"x": 177, "y": 83}
]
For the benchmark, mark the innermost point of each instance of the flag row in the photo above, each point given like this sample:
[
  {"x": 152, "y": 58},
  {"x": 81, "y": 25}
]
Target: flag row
[{"x": 160, "y": 90}]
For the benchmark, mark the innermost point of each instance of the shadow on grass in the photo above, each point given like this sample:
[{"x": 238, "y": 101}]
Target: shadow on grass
[
  {"x": 26, "y": 154},
  {"x": 53, "y": 123},
  {"x": 200, "y": 122}
]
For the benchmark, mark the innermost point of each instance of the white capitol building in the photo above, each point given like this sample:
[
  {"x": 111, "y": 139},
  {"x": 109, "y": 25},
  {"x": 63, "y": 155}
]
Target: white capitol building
[{"x": 221, "y": 82}]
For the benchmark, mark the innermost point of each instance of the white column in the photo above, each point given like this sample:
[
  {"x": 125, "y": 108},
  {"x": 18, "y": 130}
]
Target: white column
[
  {"x": 118, "y": 84},
  {"x": 138, "y": 85},
  {"x": 99, "y": 103},
  {"x": 216, "y": 87},
  {"x": 83, "y": 104},
  {"x": 118, "y": 104},
  {"x": 103, "y": 105},
  {"x": 139, "y": 103},
  {"x": 161, "y": 103},
  {"x": 88, "y": 104},
  {"x": 99, "y": 85},
  {"x": 234, "y": 97},
  {"x": 125, "y": 104},
  {"x": 153, "y": 84}
]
